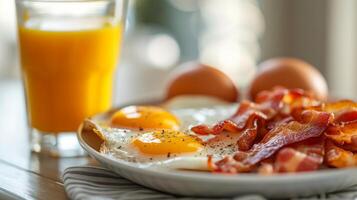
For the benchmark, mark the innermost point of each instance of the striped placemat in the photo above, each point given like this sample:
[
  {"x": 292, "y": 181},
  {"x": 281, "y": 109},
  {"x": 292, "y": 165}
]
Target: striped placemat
[{"x": 89, "y": 183}]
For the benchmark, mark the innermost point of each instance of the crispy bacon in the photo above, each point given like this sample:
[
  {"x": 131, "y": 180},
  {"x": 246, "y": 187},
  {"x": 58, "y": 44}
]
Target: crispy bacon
[
  {"x": 276, "y": 122},
  {"x": 313, "y": 146},
  {"x": 247, "y": 111},
  {"x": 286, "y": 131},
  {"x": 279, "y": 93},
  {"x": 266, "y": 169},
  {"x": 267, "y": 106},
  {"x": 347, "y": 116},
  {"x": 250, "y": 133},
  {"x": 272, "y": 99},
  {"x": 302, "y": 156},
  {"x": 344, "y": 110},
  {"x": 339, "y": 106},
  {"x": 247, "y": 137},
  {"x": 291, "y": 160},
  {"x": 267, "y": 95},
  {"x": 285, "y": 101},
  {"x": 230, "y": 165},
  {"x": 313, "y": 124},
  {"x": 210, "y": 163},
  {"x": 339, "y": 157},
  {"x": 343, "y": 134},
  {"x": 295, "y": 101}
]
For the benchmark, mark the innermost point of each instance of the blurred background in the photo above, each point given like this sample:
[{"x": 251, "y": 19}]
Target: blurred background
[{"x": 232, "y": 35}]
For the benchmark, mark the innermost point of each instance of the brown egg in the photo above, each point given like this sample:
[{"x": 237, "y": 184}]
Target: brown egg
[
  {"x": 289, "y": 73},
  {"x": 197, "y": 79}
]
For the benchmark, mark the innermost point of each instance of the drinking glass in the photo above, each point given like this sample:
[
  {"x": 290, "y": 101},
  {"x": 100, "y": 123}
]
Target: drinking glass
[{"x": 68, "y": 52}]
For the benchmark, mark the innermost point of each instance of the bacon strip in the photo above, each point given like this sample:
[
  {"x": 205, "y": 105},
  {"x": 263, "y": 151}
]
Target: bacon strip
[
  {"x": 313, "y": 146},
  {"x": 344, "y": 110},
  {"x": 250, "y": 133},
  {"x": 313, "y": 124},
  {"x": 247, "y": 137},
  {"x": 338, "y": 106},
  {"x": 291, "y": 160},
  {"x": 347, "y": 116},
  {"x": 338, "y": 157},
  {"x": 345, "y": 133},
  {"x": 266, "y": 169},
  {"x": 302, "y": 156},
  {"x": 268, "y": 105},
  {"x": 247, "y": 111},
  {"x": 286, "y": 131}
]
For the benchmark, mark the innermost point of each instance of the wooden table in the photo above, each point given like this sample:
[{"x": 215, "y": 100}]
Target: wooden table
[{"x": 24, "y": 175}]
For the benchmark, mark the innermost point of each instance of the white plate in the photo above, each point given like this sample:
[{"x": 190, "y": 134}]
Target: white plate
[{"x": 205, "y": 184}]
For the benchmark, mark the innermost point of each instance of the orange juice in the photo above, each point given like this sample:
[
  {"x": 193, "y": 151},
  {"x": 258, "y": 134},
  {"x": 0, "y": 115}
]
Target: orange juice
[{"x": 68, "y": 74}]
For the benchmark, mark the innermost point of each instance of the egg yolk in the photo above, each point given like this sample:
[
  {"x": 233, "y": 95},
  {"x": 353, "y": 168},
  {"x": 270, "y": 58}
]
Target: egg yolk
[
  {"x": 166, "y": 142},
  {"x": 144, "y": 118}
]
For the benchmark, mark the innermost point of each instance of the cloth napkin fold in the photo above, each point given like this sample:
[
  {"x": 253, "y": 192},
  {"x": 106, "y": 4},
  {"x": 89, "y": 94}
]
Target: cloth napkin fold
[{"x": 89, "y": 183}]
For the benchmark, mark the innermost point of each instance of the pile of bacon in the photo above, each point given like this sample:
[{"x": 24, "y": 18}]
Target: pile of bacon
[{"x": 288, "y": 131}]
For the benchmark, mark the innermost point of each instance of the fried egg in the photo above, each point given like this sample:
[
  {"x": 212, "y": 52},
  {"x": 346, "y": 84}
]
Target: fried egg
[
  {"x": 143, "y": 118},
  {"x": 154, "y": 137}
]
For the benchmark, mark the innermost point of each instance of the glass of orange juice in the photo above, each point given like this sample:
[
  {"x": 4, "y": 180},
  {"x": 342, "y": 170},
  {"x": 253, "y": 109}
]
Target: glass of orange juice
[{"x": 69, "y": 51}]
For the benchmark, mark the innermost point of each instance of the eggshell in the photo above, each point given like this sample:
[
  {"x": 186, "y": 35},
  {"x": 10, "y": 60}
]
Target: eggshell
[
  {"x": 197, "y": 79},
  {"x": 289, "y": 73}
]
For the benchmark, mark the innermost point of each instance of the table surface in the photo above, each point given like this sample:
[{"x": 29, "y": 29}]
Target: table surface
[{"x": 25, "y": 175}]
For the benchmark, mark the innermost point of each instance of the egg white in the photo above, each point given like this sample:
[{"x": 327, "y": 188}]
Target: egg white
[{"x": 118, "y": 141}]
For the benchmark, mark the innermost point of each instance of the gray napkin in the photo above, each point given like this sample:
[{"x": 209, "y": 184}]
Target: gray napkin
[{"x": 87, "y": 182}]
